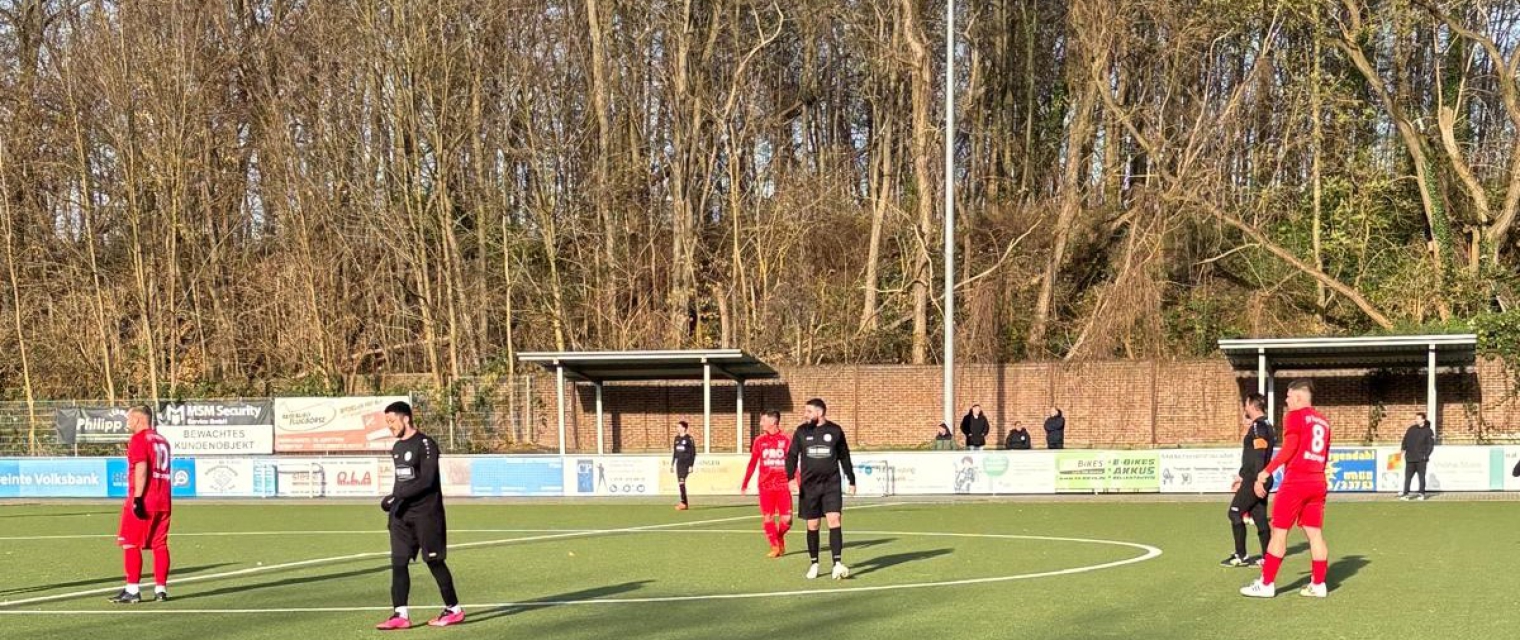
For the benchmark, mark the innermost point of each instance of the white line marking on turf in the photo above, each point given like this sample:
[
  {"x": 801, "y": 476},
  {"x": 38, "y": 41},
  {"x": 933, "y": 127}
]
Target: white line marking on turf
[
  {"x": 1150, "y": 553},
  {"x": 375, "y": 554},
  {"x": 85, "y": 536}
]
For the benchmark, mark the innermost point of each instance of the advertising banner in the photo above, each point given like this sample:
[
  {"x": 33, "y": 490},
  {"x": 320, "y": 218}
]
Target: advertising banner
[
  {"x": 617, "y": 475},
  {"x": 53, "y": 478},
  {"x": 1108, "y": 471},
  {"x": 714, "y": 474},
  {"x": 226, "y": 478},
  {"x": 208, "y": 428},
  {"x": 181, "y": 473},
  {"x": 909, "y": 474},
  {"x": 1199, "y": 470},
  {"x": 92, "y": 425},
  {"x": 503, "y": 476},
  {"x": 332, "y": 424},
  {"x": 1509, "y": 458},
  {"x": 1352, "y": 470},
  {"x": 1460, "y": 469},
  {"x": 455, "y": 472}
]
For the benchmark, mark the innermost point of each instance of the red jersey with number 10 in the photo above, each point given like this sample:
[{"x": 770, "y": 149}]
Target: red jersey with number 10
[
  {"x": 1312, "y": 451},
  {"x": 768, "y": 453},
  {"x": 149, "y": 447}
]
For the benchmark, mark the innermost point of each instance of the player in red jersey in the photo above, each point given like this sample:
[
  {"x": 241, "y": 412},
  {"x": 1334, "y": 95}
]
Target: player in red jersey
[
  {"x": 1301, "y": 498},
  {"x": 145, "y": 516},
  {"x": 768, "y": 453}
]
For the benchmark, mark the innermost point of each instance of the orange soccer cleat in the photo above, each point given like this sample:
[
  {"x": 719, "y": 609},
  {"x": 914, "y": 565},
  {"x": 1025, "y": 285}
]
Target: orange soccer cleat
[
  {"x": 682, "y": 507},
  {"x": 774, "y": 553}
]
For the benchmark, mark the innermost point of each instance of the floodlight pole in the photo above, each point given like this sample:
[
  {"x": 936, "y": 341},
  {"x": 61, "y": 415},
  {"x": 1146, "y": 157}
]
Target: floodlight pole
[{"x": 949, "y": 400}]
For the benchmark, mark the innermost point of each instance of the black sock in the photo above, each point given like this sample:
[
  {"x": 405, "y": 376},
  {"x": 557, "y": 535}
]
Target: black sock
[
  {"x": 683, "y": 492},
  {"x": 401, "y": 583},
  {"x": 813, "y": 545},
  {"x": 445, "y": 580},
  {"x": 1238, "y": 528},
  {"x": 836, "y": 543},
  {"x": 1263, "y": 527}
]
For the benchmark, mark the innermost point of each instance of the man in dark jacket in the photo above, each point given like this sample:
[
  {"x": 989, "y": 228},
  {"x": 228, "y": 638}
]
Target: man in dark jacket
[
  {"x": 1419, "y": 443},
  {"x": 1018, "y": 438},
  {"x": 1055, "y": 429},
  {"x": 976, "y": 428}
]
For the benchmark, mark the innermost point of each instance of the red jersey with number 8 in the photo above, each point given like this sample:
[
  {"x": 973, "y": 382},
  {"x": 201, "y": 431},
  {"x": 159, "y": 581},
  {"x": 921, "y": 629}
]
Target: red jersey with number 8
[
  {"x": 1313, "y": 451},
  {"x": 149, "y": 447}
]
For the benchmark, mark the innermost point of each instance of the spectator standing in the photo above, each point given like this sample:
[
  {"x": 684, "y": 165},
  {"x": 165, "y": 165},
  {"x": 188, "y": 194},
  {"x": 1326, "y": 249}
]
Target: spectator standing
[
  {"x": 1055, "y": 429},
  {"x": 1018, "y": 438},
  {"x": 976, "y": 428},
  {"x": 943, "y": 439},
  {"x": 1419, "y": 443}
]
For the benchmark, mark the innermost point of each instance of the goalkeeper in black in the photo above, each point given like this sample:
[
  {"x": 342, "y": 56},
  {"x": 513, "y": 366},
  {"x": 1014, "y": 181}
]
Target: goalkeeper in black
[
  {"x": 416, "y": 520},
  {"x": 1256, "y": 452},
  {"x": 813, "y": 464}
]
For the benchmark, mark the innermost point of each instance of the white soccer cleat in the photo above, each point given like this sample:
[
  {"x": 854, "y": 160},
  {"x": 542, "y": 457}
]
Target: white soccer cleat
[
  {"x": 1312, "y": 590},
  {"x": 840, "y": 571},
  {"x": 812, "y": 573},
  {"x": 1259, "y": 589}
]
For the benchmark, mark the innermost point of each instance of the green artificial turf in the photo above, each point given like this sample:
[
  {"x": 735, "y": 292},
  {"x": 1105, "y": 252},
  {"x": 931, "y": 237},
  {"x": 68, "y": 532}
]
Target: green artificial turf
[{"x": 1440, "y": 569}]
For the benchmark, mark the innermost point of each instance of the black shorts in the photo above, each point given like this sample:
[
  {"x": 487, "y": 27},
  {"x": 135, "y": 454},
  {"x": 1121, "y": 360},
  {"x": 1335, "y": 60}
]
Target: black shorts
[
  {"x": 683, "y": 469},
  {"x": 814, "y": 501},
  {"x": 1245, "y": 497},
  {"x": 414, "y": 533}
]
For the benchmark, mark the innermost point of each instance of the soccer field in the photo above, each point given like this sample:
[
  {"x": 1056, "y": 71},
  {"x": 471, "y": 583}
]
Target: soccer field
[{"x": 1014, "y": 569}]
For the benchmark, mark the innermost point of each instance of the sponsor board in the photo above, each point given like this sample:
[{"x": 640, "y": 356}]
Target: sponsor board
[
  {"x": 207, "y": 428},
  {"x": 1352, "y": 470},
  {"x": 1199, "y": 470},
  {"x": 1509, "y": 464},
  {"x": 228, "y": 478},
  {"x": 455, "y": 473},
  {"x": 1108, "y": 471},
  {"x": 92, "y": 424},
  {"x": 616, "y": 475},
  {"x": 332, "y": 424},
  {"x": 53, "y": 478},
  {"x": 334, "y": 477},
  {"x": 528, "y": 476},
  {"x": 713, "y": 474},
  {"x": 181, "y": 475}
]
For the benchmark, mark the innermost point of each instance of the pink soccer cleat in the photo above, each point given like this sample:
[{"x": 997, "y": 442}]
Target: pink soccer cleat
[
  {"x": 447, "y": 618},
  {"x": 395, "y": 623}
]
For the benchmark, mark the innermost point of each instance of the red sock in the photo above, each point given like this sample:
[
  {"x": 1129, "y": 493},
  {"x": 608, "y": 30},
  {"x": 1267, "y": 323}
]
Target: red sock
[
  {"x": 1317, "y": 571},
  {"x": 1269, "y": 568},
  {"x": 160, "y": 566},
  {"x": 781, "y": 528},
  {"x": 770, "y": 532},
  {"x": 133, "y": 563}
]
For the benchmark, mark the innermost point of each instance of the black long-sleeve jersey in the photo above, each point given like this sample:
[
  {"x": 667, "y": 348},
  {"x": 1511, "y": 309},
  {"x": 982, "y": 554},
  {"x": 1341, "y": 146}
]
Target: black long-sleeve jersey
[
  {"x": 1256, "y": 448},
  {"x": 820, "y": 453},
  {"x": 418, "y": 490}
]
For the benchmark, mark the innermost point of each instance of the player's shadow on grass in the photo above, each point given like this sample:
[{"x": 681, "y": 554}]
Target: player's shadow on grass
[
  {"x": 557, "y": 600},
  {"x": 1339, "y": 571},
  {"x": 57, "y": 515},
  {"x": 872, "y": 565},
  {"x": 103, "y": 582},
  {"x": 284, "y": 583},
  {"x": 865, "y": 544}
]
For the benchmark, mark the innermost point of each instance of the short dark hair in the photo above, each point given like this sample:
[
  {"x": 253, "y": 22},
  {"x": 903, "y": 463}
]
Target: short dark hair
[
  {"x": 818, "y": 402},
  {"x": 1256, "y": 401},
  {"x": 1422, "y": 415},
  {"x": 682, "y": 424},
  {"x": 400, "y": 408},
  {"x": 1302, "y": 384},
  {"x": 774, "y": 415}
]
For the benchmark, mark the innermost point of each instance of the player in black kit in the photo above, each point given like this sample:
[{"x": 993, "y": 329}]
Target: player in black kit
[
  {"x": 416, "y": 520},
  {"x": 1256, "y": 452},
  {"x": 683, "y": 456},
  {"x": 813, "y": 464}
]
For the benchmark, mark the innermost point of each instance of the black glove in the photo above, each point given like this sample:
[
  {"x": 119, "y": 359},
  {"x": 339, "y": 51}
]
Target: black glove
[
  {"x": 139, "y": 509},
  {"x": 387, "y": 503}
]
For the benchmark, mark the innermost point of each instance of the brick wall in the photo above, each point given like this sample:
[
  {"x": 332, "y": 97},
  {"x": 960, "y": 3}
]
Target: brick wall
[{"x": 1121, "y": 404}]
